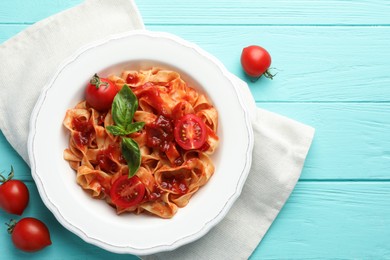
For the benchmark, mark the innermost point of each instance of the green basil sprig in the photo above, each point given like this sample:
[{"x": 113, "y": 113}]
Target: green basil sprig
[
  {"x": 123, "y": 108},
  {"x": 132, "y": 154}
]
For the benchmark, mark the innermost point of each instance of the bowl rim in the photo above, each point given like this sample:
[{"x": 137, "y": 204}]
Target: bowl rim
[{"x": 183, "y": 240}]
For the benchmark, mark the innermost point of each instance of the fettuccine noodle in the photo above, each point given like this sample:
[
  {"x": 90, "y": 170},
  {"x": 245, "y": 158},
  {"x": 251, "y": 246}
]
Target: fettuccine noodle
[{"x": 171, "y": 175}]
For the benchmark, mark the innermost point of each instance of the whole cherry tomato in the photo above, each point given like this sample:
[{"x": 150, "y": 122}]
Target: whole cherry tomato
[
  {"x": 256, "y": 61},
  {"x": 29, "y": 234},
  {"x": 100, "y": 93},
  {"x": 14, "y": 195}
]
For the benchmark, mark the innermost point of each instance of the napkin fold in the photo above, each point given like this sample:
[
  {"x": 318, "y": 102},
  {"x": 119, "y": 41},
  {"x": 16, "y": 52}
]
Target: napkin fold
[
  {"x": 280, "y": 149},
  {"x": 28, "y": 61}
]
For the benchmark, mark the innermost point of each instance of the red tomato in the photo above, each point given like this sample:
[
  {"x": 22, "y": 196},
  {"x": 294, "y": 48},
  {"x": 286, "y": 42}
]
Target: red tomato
[
  {"x": 29, "y": 234},
  {"x": 14, "y": 195},
  {"x": 256, "y": 61},
  {"x": 127, "y": 192},
  {"x": 190, "y": 132},
  {"x": 100, "y": 93}
]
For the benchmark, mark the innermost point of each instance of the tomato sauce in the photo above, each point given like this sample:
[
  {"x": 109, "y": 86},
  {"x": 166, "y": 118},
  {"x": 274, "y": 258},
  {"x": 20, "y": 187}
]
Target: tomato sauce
[
  {"x": 101, "y": 118},
  {"x": 152, "y": 94},
  {"x": 84, "y": 131},
  {"x": 179, "y": 160},
  {"x": 204, "y": 147},
  {"x": 132, "y": 79},
  {"x": 107, "y": 159},
  {"x": 160, "y": 133},
  {"x": 105, "y": 184},
  {"x": 155, "y": 194},
  {"x": 175, "y": 183},
  {"x": 179, "y": 110}
]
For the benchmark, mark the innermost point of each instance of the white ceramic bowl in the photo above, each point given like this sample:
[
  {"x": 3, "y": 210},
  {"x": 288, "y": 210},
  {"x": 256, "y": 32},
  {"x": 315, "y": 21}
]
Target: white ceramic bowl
[{"x": 95, "y": 221}]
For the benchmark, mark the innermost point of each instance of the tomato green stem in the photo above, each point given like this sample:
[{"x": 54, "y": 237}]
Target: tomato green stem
[
  {"x": 269, "y": 75},
  {"x": 95, "y": 80},
  {"x": 266, "y": 74},
  {"x": 11, "y": 226},
  {"x": 9, "y": 177}
]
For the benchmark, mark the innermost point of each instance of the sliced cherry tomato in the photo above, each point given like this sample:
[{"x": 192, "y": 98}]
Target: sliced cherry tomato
[
  {"x": 29, "y": 234},
  {"x": 14, "y": 195},
  {"x": 127, "y": 192},
  {"x": 190, "y": 132},
  {"x": 256, "y": 61},
  {"x": 100, "y": 93}
]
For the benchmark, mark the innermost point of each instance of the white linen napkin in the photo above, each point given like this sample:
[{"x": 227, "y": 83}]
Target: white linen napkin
[
  {"x": 280, "y": 149},
  {"x": 28, "y": 61}
]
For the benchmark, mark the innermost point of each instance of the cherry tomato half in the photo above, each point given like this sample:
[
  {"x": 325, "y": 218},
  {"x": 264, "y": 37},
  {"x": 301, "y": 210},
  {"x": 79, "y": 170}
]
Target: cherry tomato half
[
  {"x": 14, "y": 195},
  {"x": 29, "y": 234},
  {"x": 255, "y": 61},
  {"x": 127, "y": 192},
  {"x": 100, "y": 93},
  {"x": 190, "y": 132}
]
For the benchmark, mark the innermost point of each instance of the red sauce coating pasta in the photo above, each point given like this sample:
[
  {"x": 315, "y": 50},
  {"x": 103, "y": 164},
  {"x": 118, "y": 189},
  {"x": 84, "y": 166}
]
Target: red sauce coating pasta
[{"x": 169, "y": 174}]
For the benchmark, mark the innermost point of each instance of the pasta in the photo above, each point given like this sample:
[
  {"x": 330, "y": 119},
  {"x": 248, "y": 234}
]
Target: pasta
[{"x": 171, "y": 168}]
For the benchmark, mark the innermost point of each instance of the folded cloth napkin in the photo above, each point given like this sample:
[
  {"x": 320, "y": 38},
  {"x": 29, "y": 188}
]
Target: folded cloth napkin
[
  {"x": 280, "y": 149},
  {"x": 28, "y": 61}
]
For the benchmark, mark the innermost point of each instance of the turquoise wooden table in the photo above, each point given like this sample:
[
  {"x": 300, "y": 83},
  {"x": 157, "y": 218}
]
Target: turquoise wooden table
[{"x": 333, "y": 64}]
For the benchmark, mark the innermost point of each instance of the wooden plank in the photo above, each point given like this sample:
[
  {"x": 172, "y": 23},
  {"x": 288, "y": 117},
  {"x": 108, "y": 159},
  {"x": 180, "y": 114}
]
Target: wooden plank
[
  {"x": 9, "y": 157},
  {"x": 343, "y": 220},
  {"x": 10, "y": 30},
  {"x": 332, "y": 220},
  {"x": 277, "y": 12},
  {"x": 352, "y": 140},
  {"x": 330, "y": 76},
  {"x": 338, "y": 63},
  {"x": 347, "y": 133},
  {"x": 65, "y": 245}
]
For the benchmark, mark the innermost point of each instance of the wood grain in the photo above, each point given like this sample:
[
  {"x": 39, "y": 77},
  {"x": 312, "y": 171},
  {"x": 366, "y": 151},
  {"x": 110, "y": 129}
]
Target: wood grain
[
  {"x": 320, "y": 219},
  {"x": 331, "y": 220},
  {"x": 12, "y": 158},
  {"x": 338, "y": 63},
  {"x": 313, "y": 63},
  {"x": 9, "y": 30},
  {"x": 66, "y": 245},
  {"x": 201, "y": 12},
  {"x": 277, "y": 12},
  {"x": 333, "y": 62},
  {"x": 346, "y": 133},
  {"x": 352, "y": 140}
]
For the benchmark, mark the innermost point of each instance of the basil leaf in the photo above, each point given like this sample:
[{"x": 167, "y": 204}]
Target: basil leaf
[
  {"x": 134, "y": 127},
  {"x": 132, "y": 154},
  {"x": 119, "y": 130},
  {"x": 123, "y": 109},
  {"x": 124, "y": 106},
  {"x": 116, "y": 130}
]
